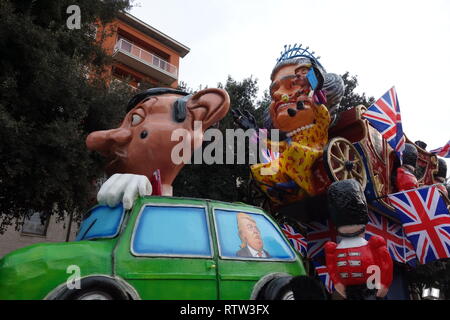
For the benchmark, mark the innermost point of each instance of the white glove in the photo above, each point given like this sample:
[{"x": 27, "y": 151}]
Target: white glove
[{"x": 124, "y": 187}]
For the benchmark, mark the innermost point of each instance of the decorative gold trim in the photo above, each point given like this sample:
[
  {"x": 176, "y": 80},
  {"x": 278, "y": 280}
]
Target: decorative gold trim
[
  {"x": 378, "y": 185},
  {"x": 383, "y": 144}
]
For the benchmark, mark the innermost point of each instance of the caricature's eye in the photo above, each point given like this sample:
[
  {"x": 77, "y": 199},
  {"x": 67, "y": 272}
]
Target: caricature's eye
[
  {"x": 275, "y": 87},
  {"x": 302, "y": 71},
  {"x": 136, "y": 119}
]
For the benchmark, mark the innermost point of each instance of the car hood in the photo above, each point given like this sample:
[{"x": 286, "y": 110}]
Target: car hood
[{"x": 33, "y": 271}]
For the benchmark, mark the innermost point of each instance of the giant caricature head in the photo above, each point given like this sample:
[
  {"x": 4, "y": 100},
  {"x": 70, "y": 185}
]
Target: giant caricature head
[
  {"x": 290, "y": 107},
  {"x": 142, "y": 143}
]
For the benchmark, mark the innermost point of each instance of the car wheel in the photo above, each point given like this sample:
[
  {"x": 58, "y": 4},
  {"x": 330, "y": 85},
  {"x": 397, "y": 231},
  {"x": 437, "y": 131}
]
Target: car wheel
[
  {"x": 279, "y": 289},
  {"x": 95, "y": 295},
  {"x": 95, "y": 288},
  {"x": 307, "y": 288},
  {"x": 288, "y": 295}
]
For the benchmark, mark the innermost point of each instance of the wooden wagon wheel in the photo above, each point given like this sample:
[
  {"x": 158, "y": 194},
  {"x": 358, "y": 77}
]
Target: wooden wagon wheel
[{"x": 342, "y": 161}]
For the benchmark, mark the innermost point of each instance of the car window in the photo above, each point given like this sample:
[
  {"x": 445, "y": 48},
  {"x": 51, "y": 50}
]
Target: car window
[
  {"x": 173, "y": 231},
  {"x": 101, "y": 222},
  {"x": 244, "y": 235}
]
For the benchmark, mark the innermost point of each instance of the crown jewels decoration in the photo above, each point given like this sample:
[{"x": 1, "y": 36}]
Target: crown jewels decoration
[{"x": 291, "y": 52}]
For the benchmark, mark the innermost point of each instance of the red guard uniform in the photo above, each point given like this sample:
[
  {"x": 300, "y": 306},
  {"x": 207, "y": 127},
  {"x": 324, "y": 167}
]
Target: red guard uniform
[
  {"x": 350, "y": 266},
  {"x": 406, "y": 180}
]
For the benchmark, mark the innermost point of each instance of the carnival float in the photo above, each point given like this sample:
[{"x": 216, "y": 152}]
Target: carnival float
[
  {"x": 344, "y": 197},
  {"x": 406, "y": 201}
]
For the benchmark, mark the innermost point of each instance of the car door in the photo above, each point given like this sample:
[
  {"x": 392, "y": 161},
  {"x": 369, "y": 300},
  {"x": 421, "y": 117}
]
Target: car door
[
  {"x": 167, "y": 252},
  {"x": 239, "y": 266}
]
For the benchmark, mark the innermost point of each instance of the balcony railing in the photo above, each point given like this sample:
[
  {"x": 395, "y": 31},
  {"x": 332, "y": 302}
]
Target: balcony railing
[{"x": 146, "y": 57}]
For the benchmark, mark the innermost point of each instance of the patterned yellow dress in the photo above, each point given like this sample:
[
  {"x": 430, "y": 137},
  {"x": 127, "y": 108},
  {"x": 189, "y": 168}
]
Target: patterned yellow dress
[{"x": 297, "y": 156}]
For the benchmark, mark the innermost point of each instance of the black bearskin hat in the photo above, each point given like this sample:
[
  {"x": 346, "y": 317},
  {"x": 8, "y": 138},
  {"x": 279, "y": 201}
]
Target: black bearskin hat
[
  {"x": 442, "y": 169},
  {"x": 410, "y": 155},
  {"x": 421, "y": 144},
  {"x": 347, "y": 203}
]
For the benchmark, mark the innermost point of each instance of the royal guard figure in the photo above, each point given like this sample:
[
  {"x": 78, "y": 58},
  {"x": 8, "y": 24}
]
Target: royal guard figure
[
  {"x": 406, "y": 179},
  {"x": 440, "y": 176},
  {"x": 358, "y": 268}
]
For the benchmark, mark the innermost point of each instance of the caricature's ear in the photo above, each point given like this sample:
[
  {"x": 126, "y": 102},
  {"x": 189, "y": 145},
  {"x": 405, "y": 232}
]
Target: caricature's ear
[{"x": 209, "y": 106}]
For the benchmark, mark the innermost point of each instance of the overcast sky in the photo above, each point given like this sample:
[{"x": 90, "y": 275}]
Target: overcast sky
[{"x": 384, "y": 43}]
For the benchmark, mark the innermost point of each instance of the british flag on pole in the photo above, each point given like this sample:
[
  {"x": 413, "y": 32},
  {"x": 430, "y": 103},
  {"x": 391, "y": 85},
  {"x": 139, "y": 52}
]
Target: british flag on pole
[
  {"x": 426, "y": 222},
  {"x": 398, "y": 246},
  {"x": 319, "y": 233},
  {"x": 297, "y": 240},
  {"x": 443, "y": 151},
  {"x": 384, "y": 115}
]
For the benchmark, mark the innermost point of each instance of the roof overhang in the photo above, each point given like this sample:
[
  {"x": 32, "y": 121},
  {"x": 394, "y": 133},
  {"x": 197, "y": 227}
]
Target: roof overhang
[{"x": 140, "y": 25}]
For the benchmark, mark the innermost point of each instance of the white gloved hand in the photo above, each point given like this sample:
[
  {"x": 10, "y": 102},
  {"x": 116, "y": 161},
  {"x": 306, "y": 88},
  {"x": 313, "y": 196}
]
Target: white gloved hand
[{"x": 124, "y": 187}]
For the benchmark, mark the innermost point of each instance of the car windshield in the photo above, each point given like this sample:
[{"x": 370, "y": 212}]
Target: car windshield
[{"x": 101, "y": 222}]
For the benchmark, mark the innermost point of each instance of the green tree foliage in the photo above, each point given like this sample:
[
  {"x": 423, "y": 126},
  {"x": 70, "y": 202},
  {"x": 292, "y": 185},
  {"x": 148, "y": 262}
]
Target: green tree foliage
[
  {"x": 351, "y": 98},
  {"x": 226, "y": 182},
  {"x": 51, "y": 98},
  {"x": 229, "y": 182}
]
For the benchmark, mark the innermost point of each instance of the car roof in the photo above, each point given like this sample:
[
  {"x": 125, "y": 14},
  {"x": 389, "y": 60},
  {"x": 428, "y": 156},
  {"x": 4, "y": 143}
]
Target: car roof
[{"x": 204, "y": 201}]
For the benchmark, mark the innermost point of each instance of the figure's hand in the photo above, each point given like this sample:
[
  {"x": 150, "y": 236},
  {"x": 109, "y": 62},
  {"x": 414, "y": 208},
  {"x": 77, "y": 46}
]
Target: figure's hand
[
  {"x": 124, "y": 188},
  {"x": 382, "y": 292},
  {"x": 340, "y": 288},
  {"x": 244, "y": 120}
]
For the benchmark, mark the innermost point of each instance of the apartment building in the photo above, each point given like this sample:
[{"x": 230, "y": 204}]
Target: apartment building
[{"x": 141, "y": 55}]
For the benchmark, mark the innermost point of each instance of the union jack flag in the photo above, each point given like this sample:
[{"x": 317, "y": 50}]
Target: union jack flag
[
  {"x": 443, "y": 151},
  {"x": 319, "y": 233},
  {"x": 410, "y": 255},
  {"x": 324, "y": 276},
  {"x": 400, "y": 249},
  {"x": 384, "y": 115},
  {"x": 266, "y": 154},
  {"x": 426, "y": 222},
  {"x": 297, "y": 240}
]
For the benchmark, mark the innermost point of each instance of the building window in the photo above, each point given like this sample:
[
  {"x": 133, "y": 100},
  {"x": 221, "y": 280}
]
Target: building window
[{"x": 35, "y": 224}]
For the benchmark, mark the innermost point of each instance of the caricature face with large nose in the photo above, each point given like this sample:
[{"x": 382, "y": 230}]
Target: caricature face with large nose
[
  {"x": 138, "y": 145},
  {"x": 143, "y": 142},
  {"x": 252, "y": 235},
  {"x": 249, "y": 232},
  {"x": 290, "y": 107}
]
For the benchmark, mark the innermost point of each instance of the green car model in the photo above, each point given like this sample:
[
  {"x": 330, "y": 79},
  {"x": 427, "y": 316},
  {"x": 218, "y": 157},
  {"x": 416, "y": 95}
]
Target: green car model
[{"x": 164, "y": 248}]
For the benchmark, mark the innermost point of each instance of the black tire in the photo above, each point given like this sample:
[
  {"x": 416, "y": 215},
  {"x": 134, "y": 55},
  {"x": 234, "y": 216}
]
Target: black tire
[
  {"x": 95, "y": 288},
  {"x": 278, "y": 289},
  {"x": 307, "y": 288}
]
